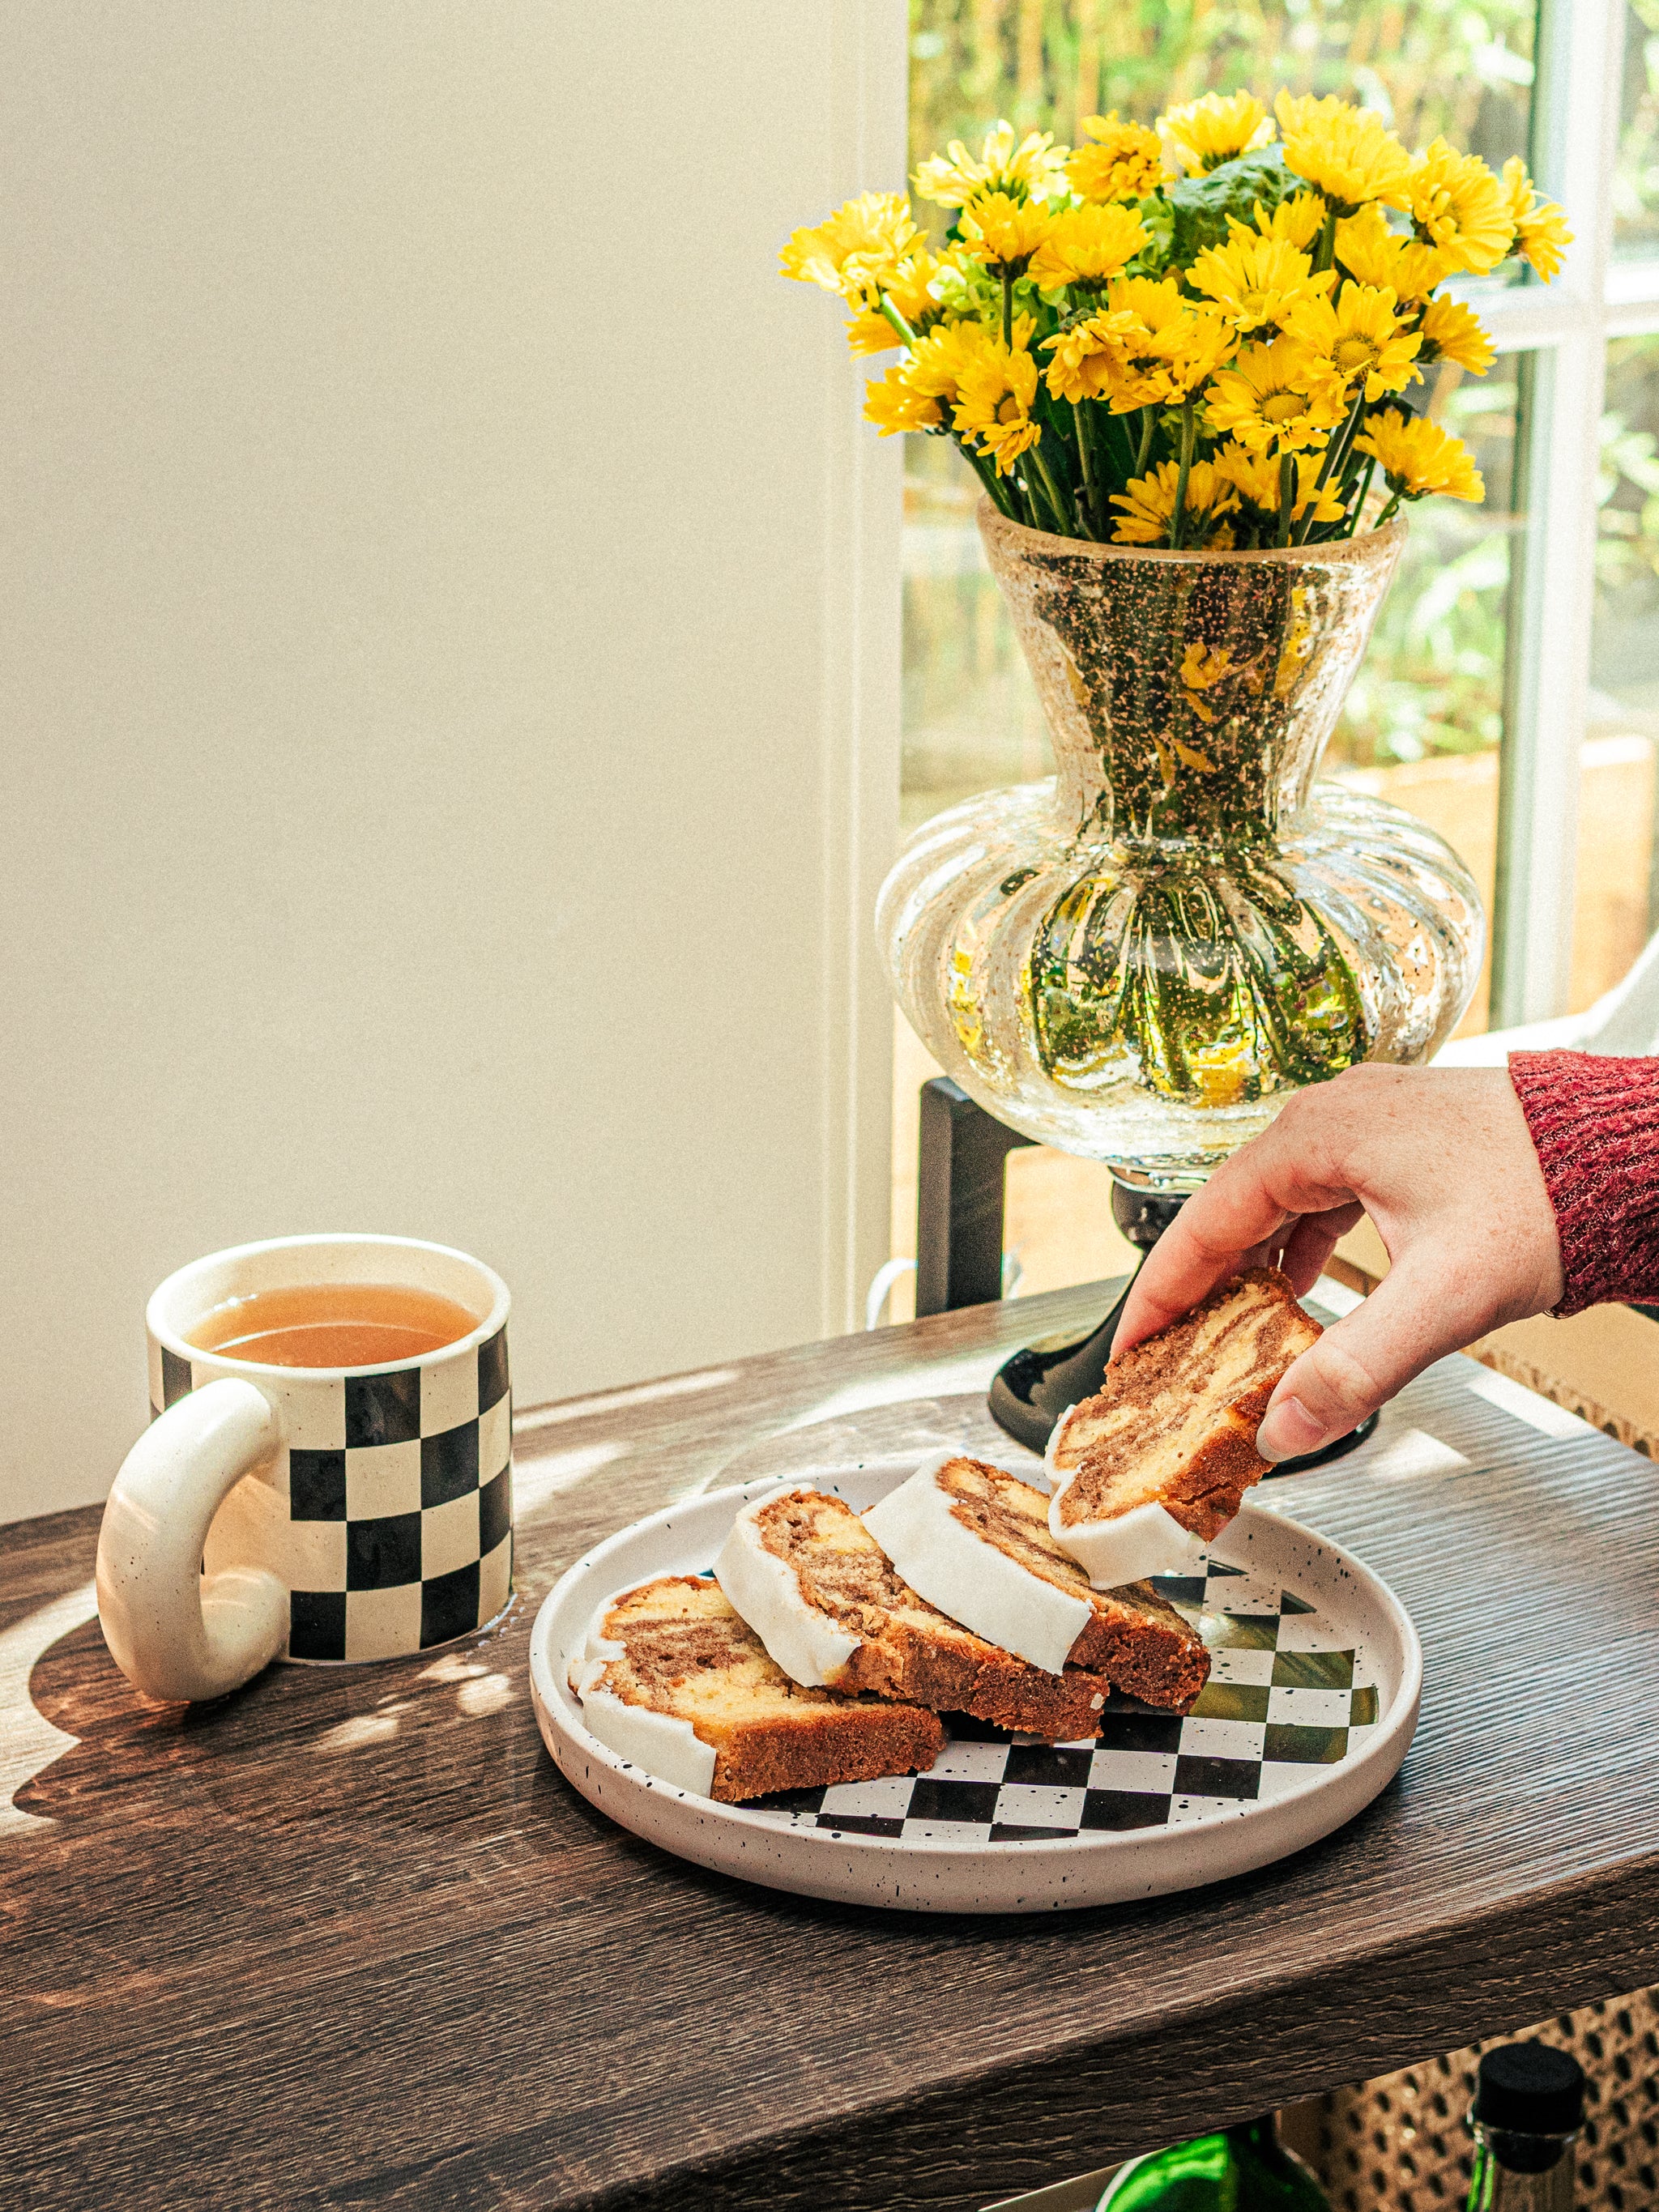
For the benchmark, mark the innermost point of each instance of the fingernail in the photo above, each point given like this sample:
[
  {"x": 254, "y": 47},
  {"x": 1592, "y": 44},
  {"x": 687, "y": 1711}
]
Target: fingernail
[{"x": 1288, "y": 1430}]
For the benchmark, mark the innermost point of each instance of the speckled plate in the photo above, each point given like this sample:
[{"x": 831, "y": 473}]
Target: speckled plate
[{"x": 1308, "y": 1713}]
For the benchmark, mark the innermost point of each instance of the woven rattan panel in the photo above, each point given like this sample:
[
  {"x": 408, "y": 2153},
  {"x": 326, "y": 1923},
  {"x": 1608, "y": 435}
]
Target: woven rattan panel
[{"x": 1401, "y": 2144}]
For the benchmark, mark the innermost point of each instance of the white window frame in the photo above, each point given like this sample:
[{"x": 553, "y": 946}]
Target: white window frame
[{"x": 1576, "y": 114}]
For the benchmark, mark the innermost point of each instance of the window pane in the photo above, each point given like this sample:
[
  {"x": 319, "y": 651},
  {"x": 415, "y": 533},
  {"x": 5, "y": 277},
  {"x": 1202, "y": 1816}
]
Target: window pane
[
  {"x": 1615, "y": 907},
  {"x": 1636, "y": 172}
]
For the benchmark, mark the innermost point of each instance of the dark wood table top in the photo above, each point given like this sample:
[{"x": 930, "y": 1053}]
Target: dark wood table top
[{"x": 347, "y": 1939}]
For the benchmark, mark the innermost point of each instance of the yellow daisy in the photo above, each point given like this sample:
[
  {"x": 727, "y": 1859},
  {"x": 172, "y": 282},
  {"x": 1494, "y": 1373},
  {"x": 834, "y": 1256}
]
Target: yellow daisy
[
  {"x": 860, "y": 245},
  {"x": 1274, "y": 400},
  {"x": 936, "y": 364},
  {"x": 1206, "y": 132},
  {"x": 1087, "y": 246},
  {"x": 1541, "y": 235},
  {"x": 893, "y": 405},
  {"x": 993, "y": 408},
  {"x": 1034, "y": 167},
  {"x": 1345, "y": 152},
  {"x": 1088, "y": 357},
  {"x": 1255, "y": 477},
  {"x": 910, "y": 290},
  {"x": 1254, "y": 280},
  {"x": 1419, "y": 458},
  {"x": 1149, "y": 506},
  {"x": 1457, "y": 204},
  {"x": 1360, "y": 340},
  {"x": 1298, "y": 220},
  {"x": 1393, "y": 260},
  {"x": 1005, "y": 233},
  {"x": 1124, "y": 162},
  {"x": 1453, "y": 332}
]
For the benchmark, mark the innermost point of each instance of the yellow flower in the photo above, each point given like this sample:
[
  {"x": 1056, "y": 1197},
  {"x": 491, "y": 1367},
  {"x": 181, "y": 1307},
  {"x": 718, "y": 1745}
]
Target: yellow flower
[
  {"x": 1150, "y": 347},
  {"x": 891, "y": 404},
  {"x": 1034, "y": 167},
  {"x": 1298, "y": 220},
  {"x": 1360, "y": 338},
  {"x": 860, "y": 245},
  {"x": 1275, "y": 399},
  {"x": 993, "y": 408},
  {"x": 1453, "y": 332},
  {"x": 1392, "y": 260},
  {"x": 1088, "y": 357},
  {"x": 1419, "y": 458},
  {"x": 1201, "y": 669},
  {"x": 1345, "y": 152},
  {"x": 1004, "y": 233},
  {"x": 1541, "y": 235},
  {"x": 1206, "y": 132},
  {"x": 1149, "y": 505},
  {"x": 1254, "y": 280},
  {"x": 1087, "y": 246},
  {"x": 1125, "y": 161},
  {"x": 939, "y": 364},
  {"x": 870, "y": 331},
  {"x": 1255, "y": 477},
  {"x": 1458, "y": 205}
]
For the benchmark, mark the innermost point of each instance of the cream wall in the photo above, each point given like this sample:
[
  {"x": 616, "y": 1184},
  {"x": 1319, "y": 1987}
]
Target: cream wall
[{"x": 450, "y": 670}]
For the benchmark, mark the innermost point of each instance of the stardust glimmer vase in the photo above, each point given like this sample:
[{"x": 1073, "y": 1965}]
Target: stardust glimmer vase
[{"x": 1142, "y": 958}]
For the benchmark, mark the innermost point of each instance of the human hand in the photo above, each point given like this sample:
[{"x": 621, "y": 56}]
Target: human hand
[{"x": 1441, "y": 1161}]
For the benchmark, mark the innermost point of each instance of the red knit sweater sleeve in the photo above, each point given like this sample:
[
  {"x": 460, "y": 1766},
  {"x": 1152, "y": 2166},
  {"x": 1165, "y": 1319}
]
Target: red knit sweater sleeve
[{"x": 1594, "y": 1120}]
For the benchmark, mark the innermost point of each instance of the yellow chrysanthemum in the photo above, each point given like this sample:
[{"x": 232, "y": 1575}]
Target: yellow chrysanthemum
[
  {"x": 1254, "y": 280},
  {"x": 893, "y": 405},
  {"x": 1389, "y": 260},
  {"x": 909, "y": 289},
  {"x": 1087, "y": 246},
  {"x": 1458, "y": 205},
  {"x": 1345, "y": 152},
  {"x": 860, "y": 245},
  {"x": 1298, "y": 220},
  {"x": 1005, "y": 233},
  {"x": 1255, "y": 477},
  {"x": 1419, "y": 458},
  {"x": 1541, "y": 235},
  {"x": 1088, "y": 357},
  {"x": 1206, "y": 132},
  {"x": 1035, "y": 168},
  {"x": 1453, "y": 332},
  {"x": 1148, "y": 506},
  {"x": 1360, "y": 338},
  {"x": 939, "y": 364},
  {"x": 1124, "y": 162},
  {"x": 994, "y": 407},
  {"x": 1274, "y": 400}
]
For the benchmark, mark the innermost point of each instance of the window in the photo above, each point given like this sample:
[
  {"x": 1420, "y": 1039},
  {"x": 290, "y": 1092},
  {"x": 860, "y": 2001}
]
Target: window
[{"x": 1511, "y": 694}]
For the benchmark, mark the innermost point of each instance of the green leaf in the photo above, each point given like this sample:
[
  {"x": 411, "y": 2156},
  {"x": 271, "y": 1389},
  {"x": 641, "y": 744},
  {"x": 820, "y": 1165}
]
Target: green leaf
[{"x": 1202, "y": 206}]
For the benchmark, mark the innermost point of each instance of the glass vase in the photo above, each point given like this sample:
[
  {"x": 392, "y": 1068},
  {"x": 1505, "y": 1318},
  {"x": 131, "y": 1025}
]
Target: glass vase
[{"x": 1143, "y": 957}]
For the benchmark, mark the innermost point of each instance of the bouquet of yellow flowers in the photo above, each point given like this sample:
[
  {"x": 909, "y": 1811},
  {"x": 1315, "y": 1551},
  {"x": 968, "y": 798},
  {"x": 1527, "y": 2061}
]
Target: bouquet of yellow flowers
[{"x": 1198, "y": 335}]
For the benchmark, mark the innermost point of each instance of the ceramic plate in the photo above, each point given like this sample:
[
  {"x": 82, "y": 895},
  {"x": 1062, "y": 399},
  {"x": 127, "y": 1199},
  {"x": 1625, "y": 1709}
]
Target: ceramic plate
[{"x": 1308, "y": 1713}]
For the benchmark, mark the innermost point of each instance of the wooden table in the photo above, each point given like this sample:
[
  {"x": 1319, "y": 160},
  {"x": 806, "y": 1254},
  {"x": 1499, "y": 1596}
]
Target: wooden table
[{"x": 347, "y": 1940}]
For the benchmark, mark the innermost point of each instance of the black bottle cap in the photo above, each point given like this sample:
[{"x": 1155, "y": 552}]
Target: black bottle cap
[{"x": 1530, "y": 2088}]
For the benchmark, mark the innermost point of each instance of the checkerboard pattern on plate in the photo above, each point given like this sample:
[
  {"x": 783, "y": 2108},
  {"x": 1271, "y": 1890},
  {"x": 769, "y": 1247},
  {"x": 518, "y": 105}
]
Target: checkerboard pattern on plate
[
  {"x": 399, "y": 1498},
  {"x": 1283, "y": 1695}
]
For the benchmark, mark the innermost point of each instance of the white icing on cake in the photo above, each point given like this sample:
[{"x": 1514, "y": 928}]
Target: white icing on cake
[
  {"x": 1126, "y": 1548},
  {"x": 765, "y": 1591},
  {"x": 664, "y": 1745},
  {"x": 947, "y": 1564},
  {"x": 1050, "y": 1466}
]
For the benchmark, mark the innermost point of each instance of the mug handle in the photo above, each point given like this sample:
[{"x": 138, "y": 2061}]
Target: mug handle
[{"x": 174, "y": 1631}]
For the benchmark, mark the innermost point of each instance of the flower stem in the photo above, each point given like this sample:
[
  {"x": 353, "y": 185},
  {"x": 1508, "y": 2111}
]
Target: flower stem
[
  {"x": 896, "y": 319},
  {"x": 1178, "y": 517},
  {"x": 1336, "y": 458},
  {"x": 1325, "y": 252},
  {"x": 1359, "y": 507},
  {"x": 1388, "y": 513},
  {"x": 1286, "y": 496},
  {"x": 1056, "y": 499},
  {"x": 987, "y": 475},
  {"x": 1146, "y": 425},
  {"x": 1008, "y": 307},
  {"x": 1091, "y": 483}
]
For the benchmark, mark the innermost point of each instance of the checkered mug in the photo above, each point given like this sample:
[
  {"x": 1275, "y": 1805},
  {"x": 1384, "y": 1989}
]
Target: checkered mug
[{"x": 309, "y": 1513}]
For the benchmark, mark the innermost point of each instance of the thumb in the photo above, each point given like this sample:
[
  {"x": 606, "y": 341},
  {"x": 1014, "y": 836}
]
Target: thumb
[{"x": 1357, "y": 1366}]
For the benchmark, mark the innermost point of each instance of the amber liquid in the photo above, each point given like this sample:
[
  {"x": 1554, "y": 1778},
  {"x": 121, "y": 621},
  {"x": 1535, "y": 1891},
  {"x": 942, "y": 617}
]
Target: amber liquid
[{"x": 333, "y": 1325}]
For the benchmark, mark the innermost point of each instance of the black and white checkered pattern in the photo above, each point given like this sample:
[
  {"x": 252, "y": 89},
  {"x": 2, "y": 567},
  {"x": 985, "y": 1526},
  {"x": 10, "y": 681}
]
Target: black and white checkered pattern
[
  {"x": 399, "y": 1492},
  {"x": 1284, "y": 1694}
]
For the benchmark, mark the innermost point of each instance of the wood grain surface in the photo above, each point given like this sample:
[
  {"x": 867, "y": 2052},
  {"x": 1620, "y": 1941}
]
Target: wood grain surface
[{"x": 347, "y": 1939}]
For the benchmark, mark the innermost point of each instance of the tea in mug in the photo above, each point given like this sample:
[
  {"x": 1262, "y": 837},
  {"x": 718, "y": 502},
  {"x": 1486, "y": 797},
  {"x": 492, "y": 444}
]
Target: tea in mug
[{"x": 333, "y": 1325}]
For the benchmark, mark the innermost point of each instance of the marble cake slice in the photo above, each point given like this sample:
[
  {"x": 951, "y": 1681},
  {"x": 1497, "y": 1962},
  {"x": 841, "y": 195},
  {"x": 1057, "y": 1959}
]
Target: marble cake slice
[
  {"x": 823, "y": 1597},
  {"x": 974, "y": 1542},
  {"x": 674, "y": 1681},
  {"x": 1152, "y": 1468}
]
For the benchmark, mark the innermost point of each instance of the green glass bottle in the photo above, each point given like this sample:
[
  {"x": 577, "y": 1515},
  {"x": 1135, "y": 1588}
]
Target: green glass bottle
[
  {"x": 1529, "y": 2106},
  {"x": 1241, "y": 2169}
]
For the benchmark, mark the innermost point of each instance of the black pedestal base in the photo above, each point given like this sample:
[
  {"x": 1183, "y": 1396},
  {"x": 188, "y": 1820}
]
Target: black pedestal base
[{"x": 1032, "y": 1390}]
